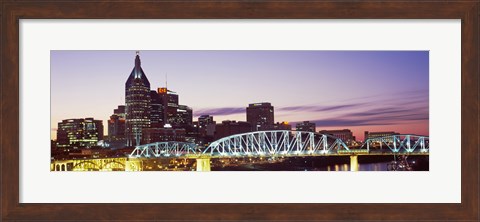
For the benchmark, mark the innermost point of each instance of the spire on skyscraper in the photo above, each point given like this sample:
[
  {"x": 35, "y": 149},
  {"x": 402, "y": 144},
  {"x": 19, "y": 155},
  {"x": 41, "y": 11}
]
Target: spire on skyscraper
[{"x": 137, "y": 72}]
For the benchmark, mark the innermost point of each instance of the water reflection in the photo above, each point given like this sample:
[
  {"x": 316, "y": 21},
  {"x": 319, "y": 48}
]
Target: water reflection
[{"x": 361, "y": 167}]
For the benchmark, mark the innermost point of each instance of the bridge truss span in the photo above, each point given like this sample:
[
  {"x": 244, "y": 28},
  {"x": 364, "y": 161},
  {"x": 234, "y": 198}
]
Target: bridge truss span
[
  {"x": 399, "y": 143},
  {"x": 284, "y": 143},
  {"x": 164, "y": 149},
  {"x": 276, "y": 142}
]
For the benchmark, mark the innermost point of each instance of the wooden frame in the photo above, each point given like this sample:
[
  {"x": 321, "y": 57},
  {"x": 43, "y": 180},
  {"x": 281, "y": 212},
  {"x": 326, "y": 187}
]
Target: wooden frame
[{"x": 12, "y": 11}]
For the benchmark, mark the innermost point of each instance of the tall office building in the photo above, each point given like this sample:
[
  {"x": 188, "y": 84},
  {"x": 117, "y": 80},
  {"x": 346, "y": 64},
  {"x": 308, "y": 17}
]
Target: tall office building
[
  {"x": 116, "y": 124},
  {"x": 79, "y": 133},
  {"x": 156, "y": 110},
  {"x": 169, "y": 100},
  {"x": 177, "y": 116},
  {"x": 260, "y": 116},
  {"x": 183, "y": 117},
  {"x": 137, "y": 101}
]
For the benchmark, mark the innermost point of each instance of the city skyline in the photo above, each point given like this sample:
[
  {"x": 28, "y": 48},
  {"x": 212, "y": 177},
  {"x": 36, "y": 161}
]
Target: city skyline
[{"x": 358, "y": 90}]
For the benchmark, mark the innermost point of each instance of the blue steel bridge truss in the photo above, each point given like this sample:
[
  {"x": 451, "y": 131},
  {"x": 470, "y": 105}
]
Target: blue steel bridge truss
[
  {"x": 281, "y": 143},
  {"x": 274, "y": 143}
]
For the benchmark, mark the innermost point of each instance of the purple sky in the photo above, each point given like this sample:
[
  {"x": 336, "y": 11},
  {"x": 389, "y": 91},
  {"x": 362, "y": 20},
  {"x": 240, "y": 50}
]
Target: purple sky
[{"x": 359, "y": 90}]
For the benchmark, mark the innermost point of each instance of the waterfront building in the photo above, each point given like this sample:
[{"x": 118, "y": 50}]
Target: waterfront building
[
  {"x": 79, "y": 133},
  {"x": 372, "y": 135},
  {"x": 231, "y": 127},
  {"x": 152, "y": 135},
  {"x": 306, "y": 126},
  {"x": 192, "y": 134},
  {"x": 89, "y": 153},
  {"x": 137, "y": 104},
  {"x": 344, "y": 134},
  {"x": 260, "y": 115}
]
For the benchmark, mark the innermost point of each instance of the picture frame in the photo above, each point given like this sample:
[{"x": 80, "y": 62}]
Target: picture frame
[{"x": 13, "y": 11}]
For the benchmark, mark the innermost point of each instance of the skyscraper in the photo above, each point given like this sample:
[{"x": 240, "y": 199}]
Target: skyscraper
[
  {"x": 183, "y": 117},
  {"x": 156, "y": 110},
  {"x": 177, "y": 116},
  {"x": 137, "y": 104},
  {"x": 169, "y": 100},
  {"x": 260, "y": 116},
  {"x": 116, "y": 124}
]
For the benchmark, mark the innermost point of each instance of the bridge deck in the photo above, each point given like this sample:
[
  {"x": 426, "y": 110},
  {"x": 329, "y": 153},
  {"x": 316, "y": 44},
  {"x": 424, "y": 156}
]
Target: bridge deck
[{"x": 194, "y": 156}]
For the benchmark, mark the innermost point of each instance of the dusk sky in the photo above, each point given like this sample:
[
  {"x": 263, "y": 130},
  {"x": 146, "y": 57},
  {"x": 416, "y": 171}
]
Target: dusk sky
[{"x": 358, "y": 90}]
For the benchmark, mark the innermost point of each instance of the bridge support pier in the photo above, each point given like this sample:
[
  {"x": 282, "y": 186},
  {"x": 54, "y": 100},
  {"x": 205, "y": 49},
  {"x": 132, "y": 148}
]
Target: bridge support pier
[
  {"x": 203, "y": 164},
  {"x": 133, "y": 165},
  {"x": 353, "y": 163}
]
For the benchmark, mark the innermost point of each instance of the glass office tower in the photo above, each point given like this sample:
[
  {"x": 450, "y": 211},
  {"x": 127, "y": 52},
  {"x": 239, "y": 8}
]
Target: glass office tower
[{"x": 137, "y": 104}]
